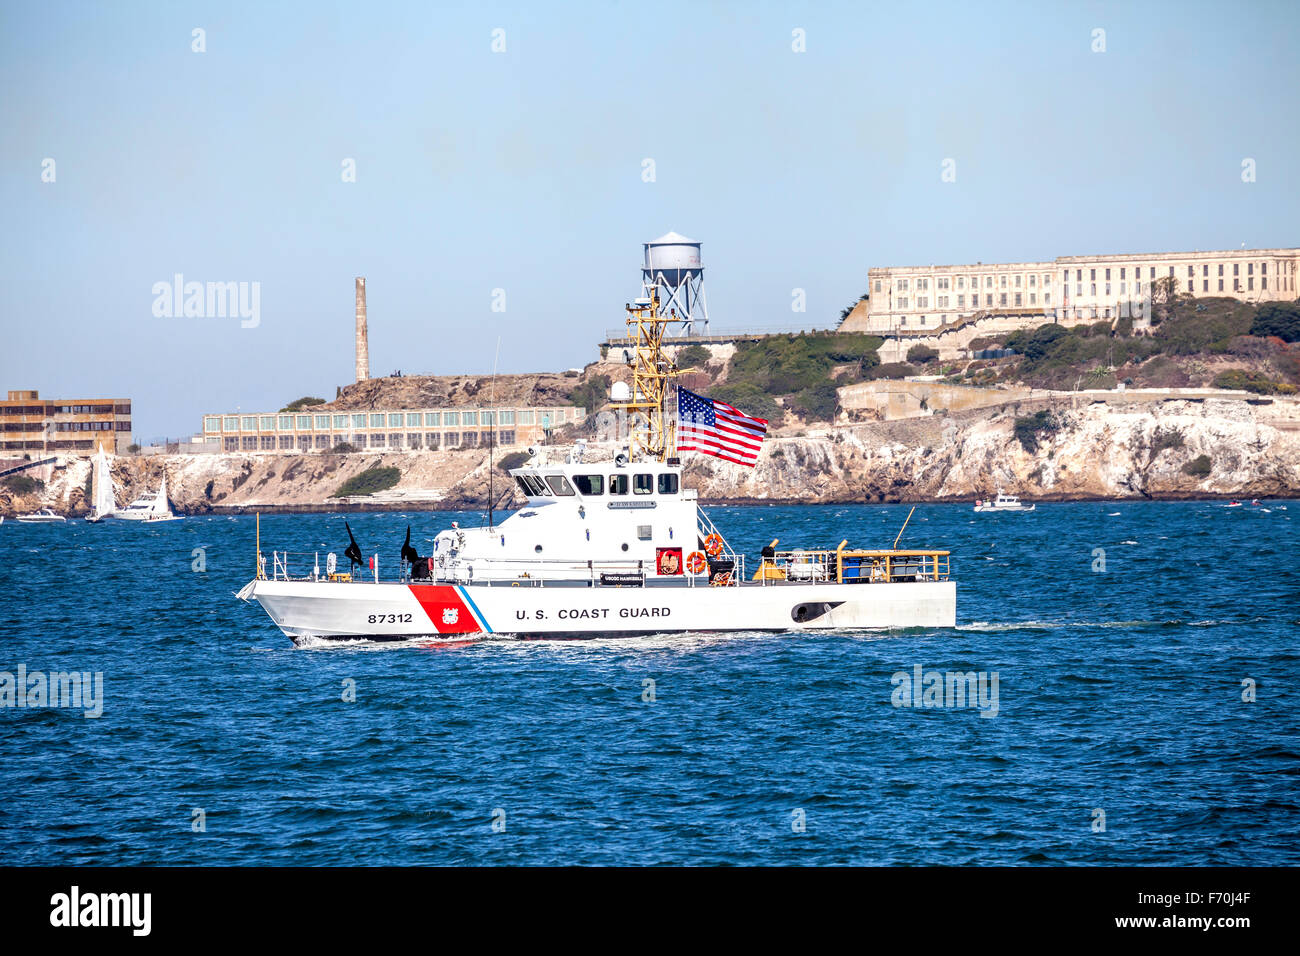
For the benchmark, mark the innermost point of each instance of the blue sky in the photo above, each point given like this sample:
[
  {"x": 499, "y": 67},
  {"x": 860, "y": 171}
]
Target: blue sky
[{"x": 522, "y": 170}]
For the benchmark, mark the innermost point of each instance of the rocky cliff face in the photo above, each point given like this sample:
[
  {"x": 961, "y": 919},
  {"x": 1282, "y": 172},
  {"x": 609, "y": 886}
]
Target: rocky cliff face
[
  {"x": 439, "y": 391},
  {"x": 1095, "y": 450}
]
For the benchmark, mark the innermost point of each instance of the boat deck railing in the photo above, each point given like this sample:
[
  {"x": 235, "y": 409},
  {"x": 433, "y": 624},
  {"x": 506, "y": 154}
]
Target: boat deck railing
[
  {"x": 495, "y": 572},
  {"x": 843, "y": 565}
]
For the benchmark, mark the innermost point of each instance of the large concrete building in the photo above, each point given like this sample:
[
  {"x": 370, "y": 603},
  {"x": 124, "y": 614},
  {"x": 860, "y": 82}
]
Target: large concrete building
[
  {"x": 30, "y": 424},
  {"x": 911, "y": 299},
  {"x": 391, "y": 430}
]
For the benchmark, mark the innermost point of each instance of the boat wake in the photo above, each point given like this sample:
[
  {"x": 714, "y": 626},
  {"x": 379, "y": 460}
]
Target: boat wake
[{"x": 994, "y": 626}]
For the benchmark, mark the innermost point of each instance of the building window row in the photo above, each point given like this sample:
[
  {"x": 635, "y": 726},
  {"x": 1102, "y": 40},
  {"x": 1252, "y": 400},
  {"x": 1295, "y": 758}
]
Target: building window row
[{"x": 266, "y": 423}]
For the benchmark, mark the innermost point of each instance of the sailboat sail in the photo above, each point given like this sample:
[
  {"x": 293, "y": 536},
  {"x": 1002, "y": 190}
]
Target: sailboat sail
[
  {"x": 160, "y": 500},
  {"x": 104, "y": 502}
]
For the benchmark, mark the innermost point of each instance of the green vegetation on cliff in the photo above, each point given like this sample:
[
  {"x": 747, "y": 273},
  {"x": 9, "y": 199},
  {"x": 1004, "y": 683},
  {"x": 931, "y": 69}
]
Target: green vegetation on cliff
[
  {"x": 1278, "y": 318},
  {"x": 591, "y": 394},
  {"x": 693, "y": 356},
  {"x": 368, "y": 482},
  {"x": 782, "y": 364},
  {"x": 1191, "y": 336},
  {"x": 1029, "y": 429},
  {"x": 298, "y": 404},
  {"x": 514, "y": 459},
  {"x": 21, "y": 484}
]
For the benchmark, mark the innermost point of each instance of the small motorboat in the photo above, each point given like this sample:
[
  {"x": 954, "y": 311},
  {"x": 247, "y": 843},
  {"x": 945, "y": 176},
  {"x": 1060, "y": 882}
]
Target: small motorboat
[
  {"x": 44, "y": 516},
  {"x": 1003, "y": 503},
  {"x": 149, "y": 508}
]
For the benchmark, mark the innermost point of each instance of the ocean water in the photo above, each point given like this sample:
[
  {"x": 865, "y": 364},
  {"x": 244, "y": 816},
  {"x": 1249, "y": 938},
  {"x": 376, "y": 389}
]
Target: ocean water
[{"x": 1121, "y": 735}]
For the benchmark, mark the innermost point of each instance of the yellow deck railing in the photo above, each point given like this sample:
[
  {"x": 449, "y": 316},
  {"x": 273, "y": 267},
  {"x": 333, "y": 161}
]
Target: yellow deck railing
[{"x": 844, "y": 564}]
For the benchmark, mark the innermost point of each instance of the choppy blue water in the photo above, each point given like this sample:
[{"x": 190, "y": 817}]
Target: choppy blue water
[{"x": 1118, "y": 691}]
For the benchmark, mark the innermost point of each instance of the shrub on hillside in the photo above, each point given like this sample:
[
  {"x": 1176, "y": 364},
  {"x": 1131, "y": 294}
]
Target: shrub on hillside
[
  {"x": 693, "y": 356},
  {"x": 1210, "y": 330},
  {"x": 344, "y": 448},
  {"x": 514, "y": 459},
  {"x": 368, "y": 482},
  {"x": 1281, "y": 319},
  {"x": 818, "y": 403},
  {"x": 591, "y": 394},
  {"x": 1028, "y": 429},
  {"x": 893, "y": 370},
  {"x": 1248, "y": 381},
  {"x": 24, "y": 484},
  {"x": 1288, "y": 366},
  {"x": 921, "y": 354},
  {"x": 1165, "y": 438},
  {"x": 301, "y": 403},
  {"x": 1198, "y": 467},
  {"x": 1162, "y": 372},
  {"x": 781, "y": 364},
  {"x": 1035, "y": 344}
]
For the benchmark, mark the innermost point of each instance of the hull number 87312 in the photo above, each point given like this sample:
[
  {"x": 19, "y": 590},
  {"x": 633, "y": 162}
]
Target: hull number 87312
[{"x": 389, "y": 619}]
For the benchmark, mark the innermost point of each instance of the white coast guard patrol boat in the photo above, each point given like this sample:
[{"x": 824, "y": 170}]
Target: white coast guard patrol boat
[{"x": 602, "y": 549}]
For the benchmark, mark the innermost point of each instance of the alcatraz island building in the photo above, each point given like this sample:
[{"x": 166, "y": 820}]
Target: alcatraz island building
[
  {"x": 927, "y": 301},
  {"x": 30, "y": 424}
]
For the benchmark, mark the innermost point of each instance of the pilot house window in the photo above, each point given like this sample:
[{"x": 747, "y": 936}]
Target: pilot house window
[
  {"x": 560, "y": 485},
  {"x": 668, "y": 484},
  {"x": 531, "y": 486},
  {"x": 618, "y": 484},
  {"x": 643, "y": 484},
  {"x": 590, "y": 484}
]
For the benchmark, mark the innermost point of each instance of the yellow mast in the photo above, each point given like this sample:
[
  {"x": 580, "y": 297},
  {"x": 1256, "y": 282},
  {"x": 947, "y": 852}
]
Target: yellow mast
[{"x": 652, "y": 435}]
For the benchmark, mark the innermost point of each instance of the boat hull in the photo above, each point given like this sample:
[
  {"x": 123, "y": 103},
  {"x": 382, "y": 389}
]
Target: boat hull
[{"x": 308, "y": 611}]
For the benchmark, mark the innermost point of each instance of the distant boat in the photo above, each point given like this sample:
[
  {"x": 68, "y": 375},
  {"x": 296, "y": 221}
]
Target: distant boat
[
  {"x": 1003, "y": 503},
  {"x": 44, "y": 516},
  {"x": 105, "y": 505},
  {"x": 147, "y": 508}
]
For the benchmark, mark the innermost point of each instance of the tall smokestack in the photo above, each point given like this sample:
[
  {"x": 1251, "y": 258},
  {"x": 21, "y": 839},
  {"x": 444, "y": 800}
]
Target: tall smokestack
[{"x": 363, "y": 337}]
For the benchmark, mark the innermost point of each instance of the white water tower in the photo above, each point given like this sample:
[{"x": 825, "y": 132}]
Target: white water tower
[{"x": 672, "y": 266}]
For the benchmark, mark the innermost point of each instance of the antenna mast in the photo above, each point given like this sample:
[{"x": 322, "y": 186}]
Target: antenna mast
[
  {"x": 492, "y": 432},
  {"x": 652, "y": 434}
]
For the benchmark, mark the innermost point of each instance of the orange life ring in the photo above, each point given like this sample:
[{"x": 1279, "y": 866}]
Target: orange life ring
[
  {"x": 695, "y": 562},
  {"x": 713, "y": 544}
]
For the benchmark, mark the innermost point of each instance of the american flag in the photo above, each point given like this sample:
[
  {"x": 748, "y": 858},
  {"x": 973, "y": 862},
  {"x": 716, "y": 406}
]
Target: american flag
[{"x": 718, "y": 429}]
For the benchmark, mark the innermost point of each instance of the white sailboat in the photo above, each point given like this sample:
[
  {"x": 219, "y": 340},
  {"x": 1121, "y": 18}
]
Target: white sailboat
[
  {"x": 104, "y": 503},
  {"x": 147, "y": 507}
]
